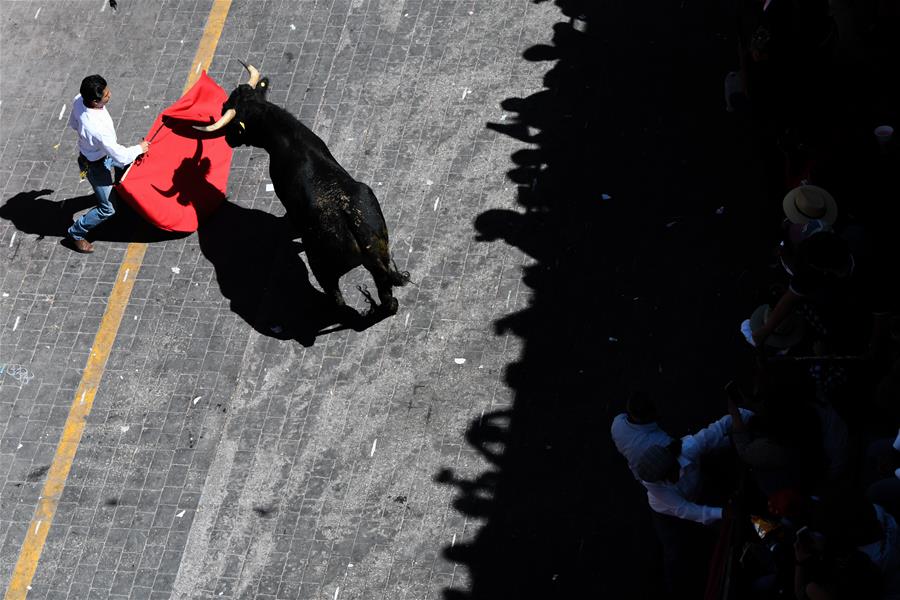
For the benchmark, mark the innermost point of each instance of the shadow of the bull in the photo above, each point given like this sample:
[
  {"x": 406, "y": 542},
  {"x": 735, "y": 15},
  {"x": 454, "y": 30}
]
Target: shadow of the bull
[{"x": 259, "y": 269}]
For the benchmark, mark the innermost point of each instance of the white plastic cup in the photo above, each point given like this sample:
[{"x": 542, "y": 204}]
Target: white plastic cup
[{"x": 884, "y": 133}]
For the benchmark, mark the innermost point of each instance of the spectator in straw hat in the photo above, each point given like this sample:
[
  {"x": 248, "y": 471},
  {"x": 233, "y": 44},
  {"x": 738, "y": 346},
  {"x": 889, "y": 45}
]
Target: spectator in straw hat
[
  {"x": 784, "y": 336},
  {"x": 808, "y": 209},
  {"x": 820, "y": 283},
  {"x": 809, "y": 202}
]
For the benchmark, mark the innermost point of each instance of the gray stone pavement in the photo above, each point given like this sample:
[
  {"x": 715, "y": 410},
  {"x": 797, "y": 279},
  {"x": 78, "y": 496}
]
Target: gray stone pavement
[{"x": 219, "y": 461}]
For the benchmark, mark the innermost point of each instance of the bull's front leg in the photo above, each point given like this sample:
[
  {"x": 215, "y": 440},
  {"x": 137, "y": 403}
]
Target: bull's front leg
[{"x": 331, "y": 288}]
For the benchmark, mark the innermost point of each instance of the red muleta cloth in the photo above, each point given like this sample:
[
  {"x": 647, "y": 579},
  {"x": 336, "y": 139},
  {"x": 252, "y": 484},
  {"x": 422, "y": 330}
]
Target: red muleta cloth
[{"x": 182, "y": 179}]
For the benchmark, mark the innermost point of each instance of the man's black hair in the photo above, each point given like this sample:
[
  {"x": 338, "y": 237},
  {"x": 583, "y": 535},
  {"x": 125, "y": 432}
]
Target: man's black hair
[
  {"x": 92, "y": 88},
  {"x": 641, "y": 407}
]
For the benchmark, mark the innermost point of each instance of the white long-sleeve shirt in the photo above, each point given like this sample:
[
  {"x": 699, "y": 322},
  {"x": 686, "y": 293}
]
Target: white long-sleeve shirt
[
  {"x": 632, "y": 439},
  {"x": 677, "y": 499},
  {"x": 97, "y": 134}
]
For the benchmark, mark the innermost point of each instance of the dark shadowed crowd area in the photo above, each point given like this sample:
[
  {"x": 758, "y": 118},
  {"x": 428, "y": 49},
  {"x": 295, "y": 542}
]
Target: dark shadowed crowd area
[{"x": 708, "y": 191}]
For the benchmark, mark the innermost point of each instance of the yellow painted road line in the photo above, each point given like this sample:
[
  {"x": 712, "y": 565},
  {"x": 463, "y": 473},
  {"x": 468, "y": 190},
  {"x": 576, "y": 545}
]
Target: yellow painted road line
[{"x": 40, "y": 524}]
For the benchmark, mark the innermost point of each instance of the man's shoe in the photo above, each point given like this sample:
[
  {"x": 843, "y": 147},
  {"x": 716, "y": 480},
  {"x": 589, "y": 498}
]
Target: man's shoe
[{"x": 82, "y": 245}]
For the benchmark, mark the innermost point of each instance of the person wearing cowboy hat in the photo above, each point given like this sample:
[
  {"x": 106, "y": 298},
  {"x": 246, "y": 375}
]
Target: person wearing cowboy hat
[
  {"x": 809, "y": 202},
  {"x": 783, "y": 337},
  {"x": 820, "y": 274},
  {"x": 808, "y": 209}
]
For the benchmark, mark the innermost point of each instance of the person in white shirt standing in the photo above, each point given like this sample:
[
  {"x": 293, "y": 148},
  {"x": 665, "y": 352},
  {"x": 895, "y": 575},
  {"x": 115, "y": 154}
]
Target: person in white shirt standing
[
  {"x": 636, "y": 429},
  {"x": 99, "y": 154},
  {"x": 671, "y": 473}
]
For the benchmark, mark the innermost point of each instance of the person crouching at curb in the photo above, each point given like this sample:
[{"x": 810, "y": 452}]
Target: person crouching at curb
[{"x": 99, "y": 153}]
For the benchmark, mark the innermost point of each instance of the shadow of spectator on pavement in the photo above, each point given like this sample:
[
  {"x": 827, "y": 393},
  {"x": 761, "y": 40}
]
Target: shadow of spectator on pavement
[{"x": 631, "y": 283}]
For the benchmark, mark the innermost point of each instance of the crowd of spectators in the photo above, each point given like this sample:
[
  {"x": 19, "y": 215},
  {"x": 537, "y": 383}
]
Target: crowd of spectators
[{"x": 795, "y": 492}]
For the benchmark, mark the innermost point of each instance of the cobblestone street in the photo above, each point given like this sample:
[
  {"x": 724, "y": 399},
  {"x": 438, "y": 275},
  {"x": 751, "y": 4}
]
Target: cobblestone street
[{"x": 180, "y": 420}]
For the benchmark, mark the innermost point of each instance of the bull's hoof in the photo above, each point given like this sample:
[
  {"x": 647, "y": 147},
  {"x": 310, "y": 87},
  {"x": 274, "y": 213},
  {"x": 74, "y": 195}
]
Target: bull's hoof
[{"x": 390, "y": 307}]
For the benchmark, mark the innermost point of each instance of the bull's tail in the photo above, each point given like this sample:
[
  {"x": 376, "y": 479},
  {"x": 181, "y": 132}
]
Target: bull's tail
[{"x": 398, "y": 278}]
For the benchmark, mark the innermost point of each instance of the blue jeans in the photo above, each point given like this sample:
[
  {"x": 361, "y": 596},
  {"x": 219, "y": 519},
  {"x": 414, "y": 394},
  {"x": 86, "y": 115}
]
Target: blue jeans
[{"x": 100, "y": 176}]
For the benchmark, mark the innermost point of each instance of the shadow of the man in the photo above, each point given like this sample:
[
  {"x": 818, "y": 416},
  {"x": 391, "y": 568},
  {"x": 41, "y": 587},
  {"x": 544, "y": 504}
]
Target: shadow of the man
[
  {"x": 31, "y": 213},
  {"x": 259, "y": 270}
]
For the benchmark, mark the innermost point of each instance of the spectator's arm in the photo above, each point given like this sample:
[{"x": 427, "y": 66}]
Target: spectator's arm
[
  {"x": 779, "y": 313},
  {"x": 712, "y": 437},
  {"x": 737, "y": 421},
  {"x": 669, "y": 501}
]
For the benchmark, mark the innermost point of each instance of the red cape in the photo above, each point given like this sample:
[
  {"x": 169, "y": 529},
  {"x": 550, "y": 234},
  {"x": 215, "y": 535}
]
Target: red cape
[{"x": 182, "y": 179}]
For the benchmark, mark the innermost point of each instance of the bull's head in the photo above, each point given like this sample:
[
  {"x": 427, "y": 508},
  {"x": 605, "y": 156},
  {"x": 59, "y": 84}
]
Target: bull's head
[{"x": 240, "y": 110}]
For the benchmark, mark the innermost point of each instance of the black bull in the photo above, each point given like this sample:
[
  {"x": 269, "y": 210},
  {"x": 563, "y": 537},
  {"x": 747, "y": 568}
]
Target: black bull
[{"x": 339, "y": 218}]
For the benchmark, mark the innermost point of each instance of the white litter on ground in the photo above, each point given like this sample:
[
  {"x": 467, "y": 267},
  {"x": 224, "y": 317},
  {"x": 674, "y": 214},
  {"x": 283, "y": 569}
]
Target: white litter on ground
[
  {"x": 270, "y": 187},
  {"x": 181, "y": 514},
  {"x": 196, "y": 400},
  {"x": 62, "y": 111},
  {"x": 459, "y": 361},
  {"x": 374, "y": 443},
  {"x": 176, "y": 270},
  {"x": 125, "y": 428}
]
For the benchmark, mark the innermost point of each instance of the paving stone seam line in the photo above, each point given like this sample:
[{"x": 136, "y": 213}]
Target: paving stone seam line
[{"x": 39, "y": 528}]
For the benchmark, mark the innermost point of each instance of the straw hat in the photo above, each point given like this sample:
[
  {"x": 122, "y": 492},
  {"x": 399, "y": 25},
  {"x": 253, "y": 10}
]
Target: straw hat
[
  {"x": 809, "y": 202},
  {"x": 787, "y": 334}
]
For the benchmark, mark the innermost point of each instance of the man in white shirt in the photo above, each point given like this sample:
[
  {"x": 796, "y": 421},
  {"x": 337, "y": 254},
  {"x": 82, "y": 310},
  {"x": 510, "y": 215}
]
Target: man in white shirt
[
  {"x": 671, "y": 473},
  {"x": 636, "y": 430},
  {"x": 99, "y": 153}
]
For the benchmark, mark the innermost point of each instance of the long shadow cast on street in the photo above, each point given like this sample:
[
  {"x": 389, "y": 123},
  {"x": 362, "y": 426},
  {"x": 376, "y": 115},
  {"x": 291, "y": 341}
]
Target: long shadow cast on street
[
  {"x": 34, "y": 213},
  {"x": 627, "y": 207},
  {"x": 260, "y": 271}
]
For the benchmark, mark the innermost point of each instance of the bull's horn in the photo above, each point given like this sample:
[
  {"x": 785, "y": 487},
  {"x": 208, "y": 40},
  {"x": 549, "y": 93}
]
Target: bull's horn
[
  {"x": 254, "y": 74},
  {"x": 225, "y": 120}
]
